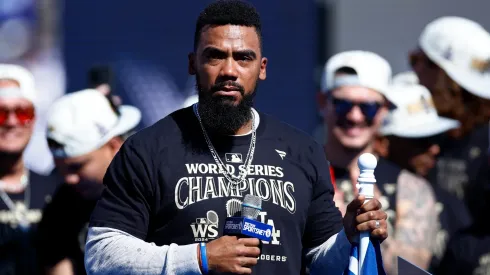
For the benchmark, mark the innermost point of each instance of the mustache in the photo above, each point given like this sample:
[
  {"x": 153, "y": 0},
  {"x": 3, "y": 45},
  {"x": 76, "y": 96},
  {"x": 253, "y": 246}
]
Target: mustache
[{"x": 223, "y": 86}]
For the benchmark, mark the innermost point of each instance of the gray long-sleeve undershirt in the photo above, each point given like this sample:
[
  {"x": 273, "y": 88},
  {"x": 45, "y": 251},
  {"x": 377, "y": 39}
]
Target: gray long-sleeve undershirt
[{"x": 111, "y": 251}]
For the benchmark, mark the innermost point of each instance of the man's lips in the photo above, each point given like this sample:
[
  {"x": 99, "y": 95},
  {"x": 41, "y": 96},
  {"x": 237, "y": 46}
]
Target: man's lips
[{"x": 229, "y": 91}]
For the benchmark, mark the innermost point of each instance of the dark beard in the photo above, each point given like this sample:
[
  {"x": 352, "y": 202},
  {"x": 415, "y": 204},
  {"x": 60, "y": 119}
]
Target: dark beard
[{"x": 219, "y": 114}]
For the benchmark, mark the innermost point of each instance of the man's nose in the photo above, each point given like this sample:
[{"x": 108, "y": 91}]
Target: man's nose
[
  {"x": 355, "y": 114},
  {"x": 229, "y": 69},
  {"x": 72, "y": 179},
  {"x": 434, "y": 150},
  {"x": 11, "y": 119}
]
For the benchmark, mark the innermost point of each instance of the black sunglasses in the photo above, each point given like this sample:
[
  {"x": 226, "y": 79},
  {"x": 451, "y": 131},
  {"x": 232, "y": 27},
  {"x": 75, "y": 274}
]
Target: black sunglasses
[{"x": 368, "y": 109}]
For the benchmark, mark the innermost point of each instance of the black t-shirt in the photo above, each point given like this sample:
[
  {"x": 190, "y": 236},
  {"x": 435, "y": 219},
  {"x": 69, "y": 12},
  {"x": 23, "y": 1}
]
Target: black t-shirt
[
  {"x": 164, "y": 186},
  {"x": 453, "y": 216},
  {"x": 17, "y": 252},
  {"x": 468, "y": 253},
  {"x": 459, "y": 163},
  {"x": 62, "y": 231}
]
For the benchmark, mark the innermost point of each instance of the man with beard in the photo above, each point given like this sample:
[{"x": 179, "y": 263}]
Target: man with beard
[
  {"x": 172, "y": 185},
  {"x": 356, "y": 90},
  {"x": 23, "y": 193}
]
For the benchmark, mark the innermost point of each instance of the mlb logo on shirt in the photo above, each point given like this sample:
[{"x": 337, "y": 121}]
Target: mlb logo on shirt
[
  {"x": 201, "y": 221},
  {"x": 234, "y": 157}
]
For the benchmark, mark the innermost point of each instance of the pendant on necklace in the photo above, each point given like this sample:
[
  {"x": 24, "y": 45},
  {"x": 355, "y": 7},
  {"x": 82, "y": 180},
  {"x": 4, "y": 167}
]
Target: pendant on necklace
[
  {"x": 24, "y": 225},
  {"x": 21, "y": 217}
]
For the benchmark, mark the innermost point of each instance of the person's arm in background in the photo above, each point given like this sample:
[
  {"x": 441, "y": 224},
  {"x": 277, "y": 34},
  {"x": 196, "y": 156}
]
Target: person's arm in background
[
  {"x": 416, "y": 224},
  {"x": 119, "y": 223}
]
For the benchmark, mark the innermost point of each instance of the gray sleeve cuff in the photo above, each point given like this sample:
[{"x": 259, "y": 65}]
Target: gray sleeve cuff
[
  {"x": 112, "y": 251},
  {"x": 183, "y": 259}
]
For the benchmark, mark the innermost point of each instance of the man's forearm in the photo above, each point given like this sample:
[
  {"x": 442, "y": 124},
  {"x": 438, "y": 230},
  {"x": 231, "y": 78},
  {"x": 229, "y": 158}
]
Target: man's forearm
[
  {"x": 331, "y": 257},
  {"x": 111, "y": 251}
]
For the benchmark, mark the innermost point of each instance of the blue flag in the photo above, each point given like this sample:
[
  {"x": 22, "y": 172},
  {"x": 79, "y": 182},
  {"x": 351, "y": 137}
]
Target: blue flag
[{"x": 373, "y": 262}]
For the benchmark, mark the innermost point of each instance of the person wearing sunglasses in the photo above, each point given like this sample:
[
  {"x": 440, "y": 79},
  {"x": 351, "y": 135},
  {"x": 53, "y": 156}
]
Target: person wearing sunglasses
[
  {"x": 453, "y": 61},
  {"x": 23, "y": 192},
  {"x": 353, "y": 88},
  {"x": 356, "y": 88},
  {"x": 410, "y": 139}
]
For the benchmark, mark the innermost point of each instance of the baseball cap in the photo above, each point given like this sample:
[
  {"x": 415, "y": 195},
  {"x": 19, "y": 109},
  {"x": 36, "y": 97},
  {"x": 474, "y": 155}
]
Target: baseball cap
[
  {"x": 415, "y": 115},
  {"x": 405, "y": 78},
  {"x": 84, "y": 121},
  {"x": 461, "y": 48},
  {"x": 21, "y": 75},
  {"x": 372, "y": 71}
]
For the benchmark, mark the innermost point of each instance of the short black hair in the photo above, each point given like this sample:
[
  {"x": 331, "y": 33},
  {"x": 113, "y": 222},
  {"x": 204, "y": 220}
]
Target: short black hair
[{"x": 228, "y": 12}]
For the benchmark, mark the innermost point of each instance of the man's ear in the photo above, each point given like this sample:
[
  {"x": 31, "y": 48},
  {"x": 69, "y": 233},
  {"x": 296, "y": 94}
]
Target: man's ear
[
  {"x": 382, "y": 145},
  {"x": 321, "y": 100},
  {"x": 263, "y": 68},
  {"x": 191, "y": 63}
]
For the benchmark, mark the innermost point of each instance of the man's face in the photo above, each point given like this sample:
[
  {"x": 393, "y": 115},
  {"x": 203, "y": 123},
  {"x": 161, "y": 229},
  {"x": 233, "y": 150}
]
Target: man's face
[
  {"x": 426, "y": 70},
  {"x": 86, "y": 172},
  {"x": 416, "y": 154},
  {"x": 16, "y": 121},
  {"x": 353, "y": 115},
  {"x": 228, "y": 64}
]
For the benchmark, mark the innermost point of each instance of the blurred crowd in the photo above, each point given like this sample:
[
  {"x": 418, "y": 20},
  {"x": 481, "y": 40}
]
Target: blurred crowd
[{"x": 429, "y": 128}]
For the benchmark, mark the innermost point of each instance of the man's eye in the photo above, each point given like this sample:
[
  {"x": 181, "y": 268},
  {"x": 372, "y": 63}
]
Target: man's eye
[
  {"x": 243, "y": 57},
  {"x": 215, "y": 55}
]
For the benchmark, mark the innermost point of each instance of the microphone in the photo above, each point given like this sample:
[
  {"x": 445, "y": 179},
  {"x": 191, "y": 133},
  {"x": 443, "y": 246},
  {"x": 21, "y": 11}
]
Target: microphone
[{"x": 247, "y": 225}]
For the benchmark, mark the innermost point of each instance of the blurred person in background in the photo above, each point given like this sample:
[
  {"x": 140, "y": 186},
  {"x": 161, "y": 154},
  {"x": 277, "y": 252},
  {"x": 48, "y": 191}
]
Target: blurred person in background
[
  {"x": 468, "y": 252},
  {"x": 453, "y": 62},
  {"x": 30, "y": 37},
  {"x": 409, "y": 138},
  {"x": 84, "y": 133},
  {"x": 356, "y": 94},
  {"x": 414, "y": 125},
  {"x": 23, "y": 192}
]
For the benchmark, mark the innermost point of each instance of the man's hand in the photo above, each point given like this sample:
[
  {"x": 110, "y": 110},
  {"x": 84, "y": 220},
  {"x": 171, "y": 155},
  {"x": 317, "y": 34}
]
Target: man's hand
[
  {"x": 365, "y": 217},
  {"x": 231, "y": 254}
]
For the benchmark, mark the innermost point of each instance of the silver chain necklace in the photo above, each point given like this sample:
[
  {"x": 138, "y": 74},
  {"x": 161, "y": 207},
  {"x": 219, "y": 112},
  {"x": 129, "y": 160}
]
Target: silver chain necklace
[
  {"x": 234, "y": 180},
  {"x": 20, "y": 212}
]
